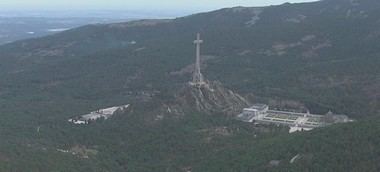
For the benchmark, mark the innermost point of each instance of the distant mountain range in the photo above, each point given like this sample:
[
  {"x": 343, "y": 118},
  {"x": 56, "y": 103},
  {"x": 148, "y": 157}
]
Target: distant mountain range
[
  {"x": 317, "y": 56},
  {"x": 23, "y": 24},
  {"x": 19, "y": 28}
]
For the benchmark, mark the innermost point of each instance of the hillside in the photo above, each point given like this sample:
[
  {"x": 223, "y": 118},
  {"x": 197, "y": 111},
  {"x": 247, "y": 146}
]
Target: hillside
[
  {"x": 295, "y": 52},
  {"x": 319, "y": 56}
]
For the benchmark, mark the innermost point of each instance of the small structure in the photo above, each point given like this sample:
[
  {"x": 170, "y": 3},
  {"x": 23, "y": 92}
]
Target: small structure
[
  {"x": 255, "y": 112},
  {"x": 77, "y": 121},
  {"x": 274, "y": 163},
  {"x": 297, "y": 128},
  {"x": 260, "y": 113},
  {"x": 98, "y": 114}
]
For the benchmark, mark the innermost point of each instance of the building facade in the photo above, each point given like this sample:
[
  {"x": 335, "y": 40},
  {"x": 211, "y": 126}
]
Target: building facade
[{"x": 261, "y": 114}]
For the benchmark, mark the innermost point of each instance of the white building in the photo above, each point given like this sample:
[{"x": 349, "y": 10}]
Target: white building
[
  {"x": 255, "y": 112},
  {"x": 260, "y": 113},
  {"x": 98, "y": 114}
]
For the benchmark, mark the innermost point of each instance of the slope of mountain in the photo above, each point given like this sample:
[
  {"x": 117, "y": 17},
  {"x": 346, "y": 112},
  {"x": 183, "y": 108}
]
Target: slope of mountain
[
  {"x": 296, "y": 52},
  {"x": 321, "y": 55}
]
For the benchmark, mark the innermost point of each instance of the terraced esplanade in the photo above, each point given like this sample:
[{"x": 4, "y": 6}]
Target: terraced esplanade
[{"x": 260, "y": 113}]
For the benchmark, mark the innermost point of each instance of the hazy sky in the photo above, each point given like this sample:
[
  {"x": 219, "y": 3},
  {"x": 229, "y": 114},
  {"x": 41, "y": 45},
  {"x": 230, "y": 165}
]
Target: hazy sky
[{"x": 135, "y": 4}]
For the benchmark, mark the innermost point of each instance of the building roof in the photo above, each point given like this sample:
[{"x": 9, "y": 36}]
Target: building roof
[{"x": 259, "y": 106}]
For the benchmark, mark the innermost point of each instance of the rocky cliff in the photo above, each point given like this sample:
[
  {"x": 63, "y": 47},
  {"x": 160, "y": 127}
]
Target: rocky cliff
[{"x": 211, "y": 98}]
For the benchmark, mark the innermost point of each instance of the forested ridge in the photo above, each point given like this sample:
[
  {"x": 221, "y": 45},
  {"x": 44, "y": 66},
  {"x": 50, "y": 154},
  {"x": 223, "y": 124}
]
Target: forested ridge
[{"x": 318, "y": 56}]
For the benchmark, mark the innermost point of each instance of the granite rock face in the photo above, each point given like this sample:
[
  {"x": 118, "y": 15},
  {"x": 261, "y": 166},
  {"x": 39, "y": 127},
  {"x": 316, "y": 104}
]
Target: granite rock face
[{"x": 211, "y": 98}]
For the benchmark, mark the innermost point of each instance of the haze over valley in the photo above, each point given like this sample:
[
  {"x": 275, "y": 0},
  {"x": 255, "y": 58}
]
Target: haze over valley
[{"x": 17, "y": 25}]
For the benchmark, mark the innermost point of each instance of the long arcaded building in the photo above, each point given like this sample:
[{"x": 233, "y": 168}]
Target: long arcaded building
[{"x": 260, "y": 113}]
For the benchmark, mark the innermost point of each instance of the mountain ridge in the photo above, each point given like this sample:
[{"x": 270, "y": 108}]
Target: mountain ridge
[
  {"x": 311, "y": 56},
  {"x": 306, "y": 51}
]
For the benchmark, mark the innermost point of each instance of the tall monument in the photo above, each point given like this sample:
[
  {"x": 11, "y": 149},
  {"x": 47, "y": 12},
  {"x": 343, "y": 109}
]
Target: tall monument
[{"x": 197, "y": 75}]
